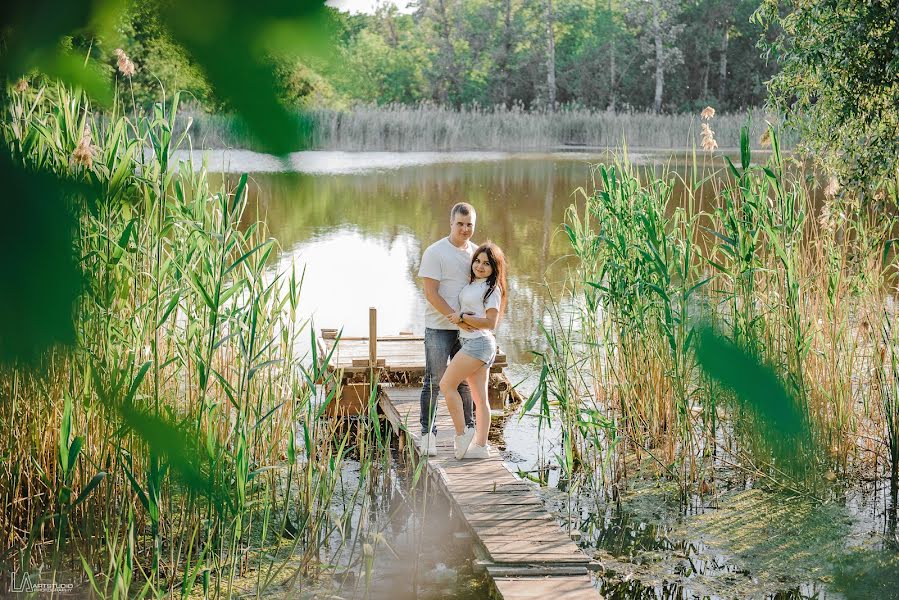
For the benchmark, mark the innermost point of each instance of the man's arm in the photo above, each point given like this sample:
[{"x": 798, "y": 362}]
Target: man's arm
[{"x": 433, "y": 296}]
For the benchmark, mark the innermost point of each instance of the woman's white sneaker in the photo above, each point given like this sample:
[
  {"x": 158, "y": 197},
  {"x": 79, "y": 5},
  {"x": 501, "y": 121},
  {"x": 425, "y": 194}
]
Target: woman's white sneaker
[
  {"x": 475, "y": 451},
  {"x": 461, "y": 442}
]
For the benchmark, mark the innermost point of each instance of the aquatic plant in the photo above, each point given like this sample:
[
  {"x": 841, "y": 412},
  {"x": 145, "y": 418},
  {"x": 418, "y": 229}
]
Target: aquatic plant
[
  {"x": 805, "y": 307},
  {"x": 177, "y": 443}
]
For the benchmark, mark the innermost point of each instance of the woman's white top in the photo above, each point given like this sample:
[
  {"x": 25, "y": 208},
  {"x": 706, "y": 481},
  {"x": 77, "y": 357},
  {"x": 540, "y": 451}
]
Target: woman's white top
[{"x": 471, "y": 300}]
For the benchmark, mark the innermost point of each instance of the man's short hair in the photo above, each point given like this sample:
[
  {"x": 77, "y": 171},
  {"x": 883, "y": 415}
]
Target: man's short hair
[{"x": 462, "y": 208}]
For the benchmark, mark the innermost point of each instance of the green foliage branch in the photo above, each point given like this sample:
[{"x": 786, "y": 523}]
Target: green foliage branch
[{"x": 839, "y": 82}]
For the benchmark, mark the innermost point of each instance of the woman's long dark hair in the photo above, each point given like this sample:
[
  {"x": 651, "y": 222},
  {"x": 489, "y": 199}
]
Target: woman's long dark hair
[{"x": 497, "y": 278}]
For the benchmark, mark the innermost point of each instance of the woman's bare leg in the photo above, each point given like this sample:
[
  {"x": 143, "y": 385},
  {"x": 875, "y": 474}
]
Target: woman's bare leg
[
  {"x": 458, "y": 370},
  {"x": 477, "y": 381}
]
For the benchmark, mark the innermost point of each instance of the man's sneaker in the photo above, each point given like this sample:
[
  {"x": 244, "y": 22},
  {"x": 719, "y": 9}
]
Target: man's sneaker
[
  {"x": 427, "y": 444},
  {"x": 475, "y": 451},
  {"x": 461, "y": 442}
]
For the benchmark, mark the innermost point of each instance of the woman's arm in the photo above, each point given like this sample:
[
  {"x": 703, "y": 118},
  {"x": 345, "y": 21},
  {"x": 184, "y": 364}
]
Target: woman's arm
[{"x": 488, "y": 322}]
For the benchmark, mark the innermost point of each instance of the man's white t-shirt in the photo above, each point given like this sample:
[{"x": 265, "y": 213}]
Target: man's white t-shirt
[
  {"x": 472, "y": 301},
  {"x": 450, "y": 266}
]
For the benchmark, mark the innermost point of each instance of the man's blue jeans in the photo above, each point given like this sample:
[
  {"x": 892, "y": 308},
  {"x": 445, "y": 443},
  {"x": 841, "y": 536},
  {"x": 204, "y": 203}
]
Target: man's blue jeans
[{"x": 440, "y": 346}]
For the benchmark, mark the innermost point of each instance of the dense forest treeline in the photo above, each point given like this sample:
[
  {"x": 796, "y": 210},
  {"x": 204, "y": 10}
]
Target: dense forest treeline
[{"x": 659, "y": 55}]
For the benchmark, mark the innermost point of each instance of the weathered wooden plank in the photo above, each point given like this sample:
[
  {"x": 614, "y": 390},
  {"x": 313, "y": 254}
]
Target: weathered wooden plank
[
  {"x": 503, "y": 535},
  {"x": 521, "y": 546},
  {"x": 516, "y": 513},
  {"x": 452, "y": 469},
  {"x": 489, "y": 488},
  {"x": 501, "y": 477},
  {"x": 500, "y": 527},
  {"x": 496, "y": 571},
  {"x": 536, "y": 558},
  {"x": 538, "y": 588},
  {"x": 480, "y": 498}
]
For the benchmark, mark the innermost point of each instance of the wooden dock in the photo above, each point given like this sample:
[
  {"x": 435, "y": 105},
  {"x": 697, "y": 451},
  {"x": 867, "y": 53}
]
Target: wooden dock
[
  {"x": 524, "y": 551},
  {"x": 353, "y": 360},
  {"x": 403, "y": 353}
]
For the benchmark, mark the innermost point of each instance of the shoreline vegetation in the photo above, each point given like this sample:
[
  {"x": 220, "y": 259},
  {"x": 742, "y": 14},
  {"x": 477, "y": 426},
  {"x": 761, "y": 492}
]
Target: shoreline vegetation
[
  {"x": 176, "y": 445},
  {"x": 429, "y": 127},
  {"x": 725, "y": 330},
  {"x": 708, "y": 341}
]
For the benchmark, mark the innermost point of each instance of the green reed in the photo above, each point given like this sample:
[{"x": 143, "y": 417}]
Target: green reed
[
  {"x": 178, "y": 446},
  {"x": 797, "y": 296}
]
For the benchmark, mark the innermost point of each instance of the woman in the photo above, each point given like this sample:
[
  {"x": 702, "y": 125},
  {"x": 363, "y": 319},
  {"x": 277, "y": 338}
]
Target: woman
[{"x": 482, "y": 302}]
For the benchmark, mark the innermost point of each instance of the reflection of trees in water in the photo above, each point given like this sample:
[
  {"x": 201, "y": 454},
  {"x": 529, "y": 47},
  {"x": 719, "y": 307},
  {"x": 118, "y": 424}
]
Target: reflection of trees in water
[
  {"x": 514, "y": 200},
  {"x": 521, "y": 204}
]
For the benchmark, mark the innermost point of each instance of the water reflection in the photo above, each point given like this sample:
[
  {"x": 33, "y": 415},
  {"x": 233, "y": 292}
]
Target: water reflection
[
  {"x": 360, "y": 227},
  {"x": 346, "y": 271},
  {"x": 359, "y": 237}
]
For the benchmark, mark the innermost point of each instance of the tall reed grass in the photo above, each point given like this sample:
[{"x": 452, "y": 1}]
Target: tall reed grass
[
  {"x": 177, "y": 448},
  {"x": 432, "y": 128},
  {"x": 805, "y": 289}
]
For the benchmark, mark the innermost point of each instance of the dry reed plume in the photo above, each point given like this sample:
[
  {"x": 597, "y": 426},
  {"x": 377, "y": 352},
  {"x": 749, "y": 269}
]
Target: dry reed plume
[{"x": 124, "y": 64}]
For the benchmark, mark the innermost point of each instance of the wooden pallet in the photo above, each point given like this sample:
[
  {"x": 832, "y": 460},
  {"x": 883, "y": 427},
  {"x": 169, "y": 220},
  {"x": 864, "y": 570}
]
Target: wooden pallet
[{"x": 524, "y": 551}]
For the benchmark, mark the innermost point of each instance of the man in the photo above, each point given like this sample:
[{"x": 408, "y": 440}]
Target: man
[{"x": 445, "y": 268}]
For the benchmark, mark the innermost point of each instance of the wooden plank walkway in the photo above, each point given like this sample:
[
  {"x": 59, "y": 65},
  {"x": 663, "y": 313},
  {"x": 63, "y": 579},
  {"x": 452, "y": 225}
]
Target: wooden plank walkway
[{"x": 525, "y": 552}]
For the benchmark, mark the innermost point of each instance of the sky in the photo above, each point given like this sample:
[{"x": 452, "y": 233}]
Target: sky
[{"x": 355, "y": 6}]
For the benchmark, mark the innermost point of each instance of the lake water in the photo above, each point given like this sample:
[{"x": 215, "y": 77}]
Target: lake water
[
  {"x": 359, "y": 233},
  {"x": 357, "y": 223}
]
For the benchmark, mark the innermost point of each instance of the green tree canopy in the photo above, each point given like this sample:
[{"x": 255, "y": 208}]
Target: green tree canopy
[{"x": 839, "y": 81}]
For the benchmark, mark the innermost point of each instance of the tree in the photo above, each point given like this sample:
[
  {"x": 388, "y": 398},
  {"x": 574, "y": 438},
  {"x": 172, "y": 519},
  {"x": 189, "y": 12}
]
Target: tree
[
  {"x": 587, "y": 48},
  {"x": 658, "y": 31},
  {"x": 435, "y": 16},
  {"x": 383, "y": 63},
  {"x": 550, "y": 56},
  {"x": 504, "y": 53},
  {"x": 839, "y": 82},
  {"x": 163, "y": 63}
]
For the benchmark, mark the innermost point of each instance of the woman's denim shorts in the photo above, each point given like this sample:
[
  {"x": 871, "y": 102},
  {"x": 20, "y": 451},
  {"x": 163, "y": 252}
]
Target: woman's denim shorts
[{"x": 482, "y": 348}]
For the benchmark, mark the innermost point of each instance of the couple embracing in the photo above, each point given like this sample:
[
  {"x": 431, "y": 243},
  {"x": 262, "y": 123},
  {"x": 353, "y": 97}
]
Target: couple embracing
[{"x": 465, "y": 288}]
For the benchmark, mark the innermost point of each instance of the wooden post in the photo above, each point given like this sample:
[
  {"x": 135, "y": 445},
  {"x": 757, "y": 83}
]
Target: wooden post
[{"x": 373, "y": 337}]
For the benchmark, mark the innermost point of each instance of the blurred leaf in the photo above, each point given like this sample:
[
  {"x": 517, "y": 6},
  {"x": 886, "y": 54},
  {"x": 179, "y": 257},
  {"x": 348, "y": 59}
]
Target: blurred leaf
[
  {"x": 230, "y": 41},
  {"x": 85, "y": 492},
  {"x": 781, "y": 421},
  {"x": 37, "y": 26},
  {"x": 39, "y": 278},
  {"x": 33, "y": 32},
  {"x": 168, "y": 439},
  {"x": 71, "y": 69}
]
